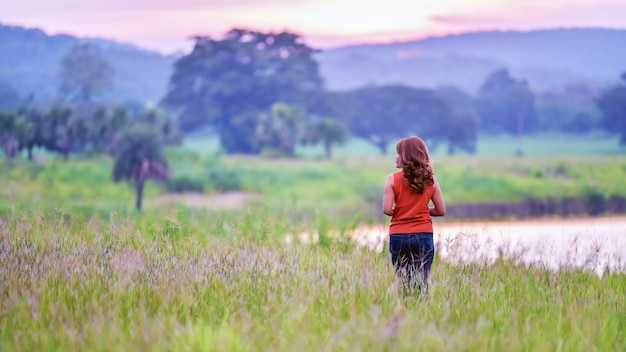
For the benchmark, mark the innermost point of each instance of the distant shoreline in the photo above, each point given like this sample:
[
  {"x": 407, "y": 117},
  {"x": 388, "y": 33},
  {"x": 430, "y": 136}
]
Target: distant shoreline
[{"x": 593, "y": 205}]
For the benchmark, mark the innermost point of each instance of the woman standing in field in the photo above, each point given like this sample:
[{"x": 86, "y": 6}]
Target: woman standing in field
[{"x": 407, "y": 198}]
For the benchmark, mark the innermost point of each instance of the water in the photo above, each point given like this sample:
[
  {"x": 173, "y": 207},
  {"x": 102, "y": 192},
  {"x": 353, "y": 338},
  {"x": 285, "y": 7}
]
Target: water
[{"x": 595, "y": 244}]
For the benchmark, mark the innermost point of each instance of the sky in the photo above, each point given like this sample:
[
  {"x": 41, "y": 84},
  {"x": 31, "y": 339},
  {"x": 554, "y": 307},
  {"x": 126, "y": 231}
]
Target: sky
[{"x": 168, "y": 25}]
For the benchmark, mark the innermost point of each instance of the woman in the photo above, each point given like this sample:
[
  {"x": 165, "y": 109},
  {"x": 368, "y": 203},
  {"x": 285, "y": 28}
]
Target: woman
[{"x": 407, "y": 200}]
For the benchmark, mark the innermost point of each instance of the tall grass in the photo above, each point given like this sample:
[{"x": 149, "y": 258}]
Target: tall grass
[{"x": 165, "y": 284}]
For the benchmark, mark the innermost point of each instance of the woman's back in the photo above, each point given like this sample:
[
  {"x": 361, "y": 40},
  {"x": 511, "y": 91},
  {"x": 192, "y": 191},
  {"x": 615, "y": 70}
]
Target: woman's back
[{"x": 411, "y": 212}]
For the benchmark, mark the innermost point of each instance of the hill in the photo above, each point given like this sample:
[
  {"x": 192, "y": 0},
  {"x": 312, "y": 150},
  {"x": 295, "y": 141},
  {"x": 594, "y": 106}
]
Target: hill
[
  {"x": 548, "y": 59},
  {"x": 30, "y": 62}
]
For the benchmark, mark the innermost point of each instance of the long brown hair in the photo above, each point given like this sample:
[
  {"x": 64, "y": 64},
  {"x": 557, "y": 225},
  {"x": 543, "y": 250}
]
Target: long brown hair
[{"x": 415, "y": 162}]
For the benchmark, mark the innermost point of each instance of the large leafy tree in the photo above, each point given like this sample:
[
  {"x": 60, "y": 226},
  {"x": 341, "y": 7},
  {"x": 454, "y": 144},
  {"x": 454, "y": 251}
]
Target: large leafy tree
[
  {"x": 228, "y": 83},
  {"x": 612, "y": 104},
  {"x": 457, "y": 121},
  {"x": 458, "y": 129},
  {"x": 138, "y": 158},
  {"x": 382, "y": 114},
  {"x": 378, "y": 114},
  {"x": 85, "y": 73}
]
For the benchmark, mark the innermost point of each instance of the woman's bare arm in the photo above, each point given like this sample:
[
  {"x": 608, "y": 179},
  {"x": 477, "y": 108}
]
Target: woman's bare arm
[
  {"x": 389, "y": 197},
  {"x": 439, "y": 208}
]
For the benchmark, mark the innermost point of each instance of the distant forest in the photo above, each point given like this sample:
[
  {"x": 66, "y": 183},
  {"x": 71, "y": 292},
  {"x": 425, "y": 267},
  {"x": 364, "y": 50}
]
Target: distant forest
[{"x": 449, "y": 89}]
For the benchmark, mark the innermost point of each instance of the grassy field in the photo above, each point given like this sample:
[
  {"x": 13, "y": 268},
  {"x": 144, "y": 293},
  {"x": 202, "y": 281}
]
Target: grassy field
[
  {"x": 339, "y": 188},
  {"x": 540, "y": 145},
  {"x": 81, "y": 270}
]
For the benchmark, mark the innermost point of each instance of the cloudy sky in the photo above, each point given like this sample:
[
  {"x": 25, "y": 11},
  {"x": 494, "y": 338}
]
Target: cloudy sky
[{"x": 166, "y": 25}]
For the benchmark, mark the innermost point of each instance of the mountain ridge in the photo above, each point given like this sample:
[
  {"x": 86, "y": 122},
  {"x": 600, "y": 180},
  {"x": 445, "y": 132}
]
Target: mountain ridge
[
  {"x": 31, "y": 58},
  {"x": 549, "y": 59}
]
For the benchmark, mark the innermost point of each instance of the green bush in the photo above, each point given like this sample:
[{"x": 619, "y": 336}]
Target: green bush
[
  {"x": 184, "y": 184},
  {"x": 222, "y": 179}
]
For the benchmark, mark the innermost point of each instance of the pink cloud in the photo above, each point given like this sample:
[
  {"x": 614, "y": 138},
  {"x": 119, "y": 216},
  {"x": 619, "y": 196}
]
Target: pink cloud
[
  {"x": 529, "y": 16},
  {"x": 166, "y": 25},
  {"x": 86, "y": 6}
]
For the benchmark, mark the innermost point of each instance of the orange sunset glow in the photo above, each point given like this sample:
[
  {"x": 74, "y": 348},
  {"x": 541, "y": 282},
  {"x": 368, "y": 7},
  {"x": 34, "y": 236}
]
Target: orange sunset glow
[{"x": 166, "y": 26}]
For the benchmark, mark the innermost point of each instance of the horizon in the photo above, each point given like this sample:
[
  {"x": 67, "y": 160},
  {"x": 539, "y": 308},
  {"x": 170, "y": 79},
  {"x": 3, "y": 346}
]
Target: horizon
[
  {"x": 363, "y": 43},
  {"x": 165, "y": 27}
]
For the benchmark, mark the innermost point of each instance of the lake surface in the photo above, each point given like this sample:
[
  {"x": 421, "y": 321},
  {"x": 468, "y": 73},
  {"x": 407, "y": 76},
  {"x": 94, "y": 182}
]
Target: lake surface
[{"x": 597, "y": 244}]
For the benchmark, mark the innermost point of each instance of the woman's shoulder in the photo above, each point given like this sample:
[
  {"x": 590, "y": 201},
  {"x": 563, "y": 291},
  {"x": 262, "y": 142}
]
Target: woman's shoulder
[{"x": 435, "y": 184}]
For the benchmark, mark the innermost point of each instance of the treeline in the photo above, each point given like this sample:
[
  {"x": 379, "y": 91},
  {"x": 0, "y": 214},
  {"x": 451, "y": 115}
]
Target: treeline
[
  {"x": 231, "y": 85},
  {"x": 262, "y": 93},
  {"x": 85, "y": 129}
]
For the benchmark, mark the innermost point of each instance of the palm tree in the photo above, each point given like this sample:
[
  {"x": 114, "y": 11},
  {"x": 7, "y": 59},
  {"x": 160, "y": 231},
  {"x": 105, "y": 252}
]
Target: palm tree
[
  {"x": 29, "y": 129},
  {"x": 7, "y": 134},
  {"x": 138, "y": 158},
  {"x": 278, "y": 129},
  {"x": 59, "y": 137}
]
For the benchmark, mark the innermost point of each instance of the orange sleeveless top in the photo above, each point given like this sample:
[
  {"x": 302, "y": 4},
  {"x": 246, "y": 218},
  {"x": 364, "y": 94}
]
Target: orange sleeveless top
[{"x": 411, "y": 212}]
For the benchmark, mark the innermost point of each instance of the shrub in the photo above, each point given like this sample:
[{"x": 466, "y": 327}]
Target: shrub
[
  {"x": 225, "y": 180},
  {"x": 184, "y": 184}
]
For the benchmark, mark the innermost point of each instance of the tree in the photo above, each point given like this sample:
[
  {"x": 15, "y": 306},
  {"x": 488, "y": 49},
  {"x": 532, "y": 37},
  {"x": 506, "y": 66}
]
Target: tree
[
  {"x": 327, "y": 131},
  {"x": 85, "y": 73},
  {"x": 279, "y": 129},
  {"x": 378, "y": 114},
  {"x": 120, "y": 119},
  {"x": 571, "y": 110},
  {"x": 30, "y": 129},
  {"x": 164, "y": 123},
  {"x": 458, "y": 130},
  {"x": 382, "y": 114},
  {"x": 59, "y": 135},
  {"x": 138, "y": 158},
  {"x": 227, "y": 84},
  {"x": 612, "y": 104},
  {"x": 457, "y": 123},
  {"x": 7, "y": 134},
  {"x": 506, "y": 105}
]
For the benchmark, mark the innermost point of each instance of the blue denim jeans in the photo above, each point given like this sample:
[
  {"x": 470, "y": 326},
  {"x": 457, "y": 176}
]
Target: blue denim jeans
[{"x": 412, "y": 256}]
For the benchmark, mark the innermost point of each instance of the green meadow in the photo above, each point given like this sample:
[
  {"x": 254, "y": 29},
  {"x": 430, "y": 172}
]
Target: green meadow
[
  {"x": 82, "y": 270},
  {"x": 539, "y": 145}
]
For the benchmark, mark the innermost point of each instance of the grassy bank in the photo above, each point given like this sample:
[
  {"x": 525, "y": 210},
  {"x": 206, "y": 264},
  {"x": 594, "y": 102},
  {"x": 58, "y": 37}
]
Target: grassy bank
[
  {"x": 160, "y": 285},
  {"x": 336, "y": 189}
]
